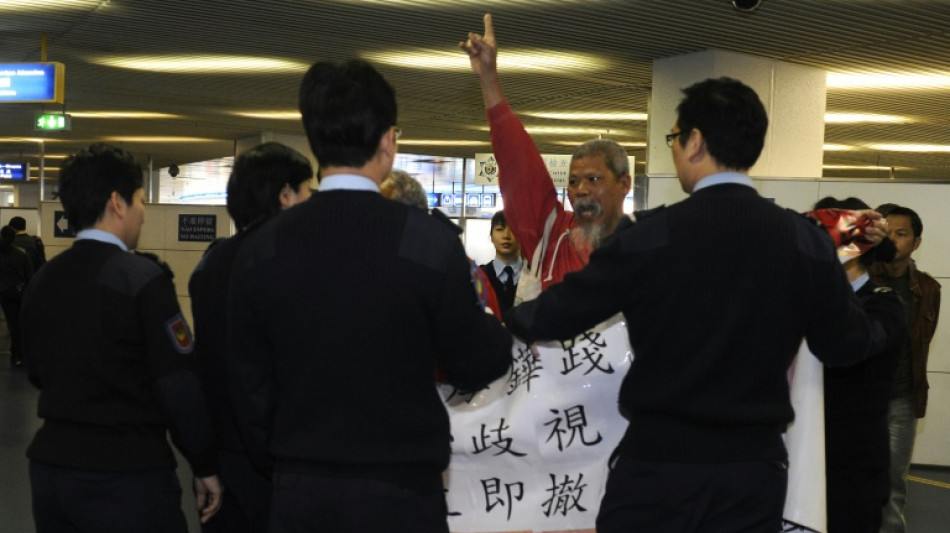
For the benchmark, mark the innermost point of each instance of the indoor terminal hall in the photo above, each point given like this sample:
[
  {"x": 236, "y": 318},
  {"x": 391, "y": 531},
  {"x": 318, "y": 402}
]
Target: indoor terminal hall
[{"x": 856, "y": 94}]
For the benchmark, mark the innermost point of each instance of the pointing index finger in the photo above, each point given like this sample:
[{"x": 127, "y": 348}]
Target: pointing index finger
[{"x": 489, "y": 29}]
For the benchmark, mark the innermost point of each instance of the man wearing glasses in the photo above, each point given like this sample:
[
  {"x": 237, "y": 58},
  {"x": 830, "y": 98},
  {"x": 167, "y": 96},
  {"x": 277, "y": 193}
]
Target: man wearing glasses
[{"x": 718, "y": 291}]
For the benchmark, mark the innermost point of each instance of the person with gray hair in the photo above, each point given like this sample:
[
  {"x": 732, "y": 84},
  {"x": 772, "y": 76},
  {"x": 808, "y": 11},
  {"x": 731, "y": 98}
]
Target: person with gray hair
[
  {"x": 599, "y": 177},
  {"x": 402, "y": 187}
]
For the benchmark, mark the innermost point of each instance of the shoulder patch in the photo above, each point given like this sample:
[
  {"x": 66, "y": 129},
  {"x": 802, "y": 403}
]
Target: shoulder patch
[{"x": 180, "y": 334}]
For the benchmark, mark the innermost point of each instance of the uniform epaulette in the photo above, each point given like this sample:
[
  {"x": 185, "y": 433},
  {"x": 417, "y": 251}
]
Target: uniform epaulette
[{"x": 154, "y": 258}]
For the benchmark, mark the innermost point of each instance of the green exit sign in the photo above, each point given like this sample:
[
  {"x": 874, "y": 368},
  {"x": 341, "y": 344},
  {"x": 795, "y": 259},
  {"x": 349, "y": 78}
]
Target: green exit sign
[{"x": 53, "y": 122}]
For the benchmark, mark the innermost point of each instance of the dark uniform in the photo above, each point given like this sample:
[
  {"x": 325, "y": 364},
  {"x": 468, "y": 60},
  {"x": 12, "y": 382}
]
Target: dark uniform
[
  {"x": 106, "y": 343},
  {"x": 246, "y": 501},
  {"x": 33, "y": 247}
]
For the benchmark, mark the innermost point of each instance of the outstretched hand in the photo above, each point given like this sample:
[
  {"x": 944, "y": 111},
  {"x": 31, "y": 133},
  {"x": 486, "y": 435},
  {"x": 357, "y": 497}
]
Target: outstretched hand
[{"x": 482, "y": 50}]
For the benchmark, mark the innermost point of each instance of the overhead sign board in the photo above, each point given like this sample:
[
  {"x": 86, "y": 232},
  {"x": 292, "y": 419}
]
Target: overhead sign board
[
  {"x": 14, "y": 171},
  {"x": 32, "y": 83}
]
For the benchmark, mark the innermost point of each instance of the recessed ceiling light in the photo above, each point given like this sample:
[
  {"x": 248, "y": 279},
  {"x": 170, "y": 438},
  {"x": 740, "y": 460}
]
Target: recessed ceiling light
[
  {"x": 566, "y": 130},
  {"x": 583, "y": 115},
  {"x": 270, "y": 115},
  {"x": 933, "y": 148},
  {"x": 511, "y": 60},
  {"x": 442, "y": 4},
  {"x": 441, "y": 142},
  {"x": 7, "y": 6},
  {"x": 630, "y": 144},
  {"x": 856, "y": 167},
  {"x": 160, "y": 139},
  {"x": 858, "y": 118},
  {"x": 888, "y": 80},
  {"x": 838, "y": 148},
  {"x": 210, "y": 64},
  {"x": 122, "y": 114}
]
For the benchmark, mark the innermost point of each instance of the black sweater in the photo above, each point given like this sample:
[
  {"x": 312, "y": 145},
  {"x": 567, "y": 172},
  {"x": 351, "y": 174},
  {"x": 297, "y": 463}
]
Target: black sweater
[
  {"x": 718, "y": 291},
  {"x": 341, "y": 310},
  {"x": 105, "y": 341}
]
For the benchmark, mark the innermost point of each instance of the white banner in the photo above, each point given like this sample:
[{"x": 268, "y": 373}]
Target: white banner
[{"x": 530, "y": 452}]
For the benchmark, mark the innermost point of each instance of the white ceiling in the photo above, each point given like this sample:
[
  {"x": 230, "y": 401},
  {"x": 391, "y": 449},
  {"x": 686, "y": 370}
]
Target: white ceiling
[{"x": 625, "y": 36}]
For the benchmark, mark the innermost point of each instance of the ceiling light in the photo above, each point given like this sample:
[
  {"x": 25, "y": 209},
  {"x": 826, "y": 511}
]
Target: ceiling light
[
  {"x": 857, "y": 118},
  {"x": 933, "y": 148},
  {"x": 442, "y": 4},
  {"x": 511, "y": 60},
  {"x": 856, "y": 167},
  {"x": 10, "y": 6},
  {"x": 559, "y": 130},
  {"x": 838, "y": 148},
  {"x": 160, "y": 139},
  {"x": 270, "y": 115},
  {"x": 209, "y": 64},
  {"x": 438, "y": 142},
  {"x": 589, "y": 116},
  {"x": 122, "y": 114},
  {"x": 630, "y": 144},
  {"x": 888, "y": 80}
]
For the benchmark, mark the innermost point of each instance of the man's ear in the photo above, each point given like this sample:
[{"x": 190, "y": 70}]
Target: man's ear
[
  {"x": 626, "y": 180},
  {"x": 695, "y": 147},
  {"x": 387, "y": 143},
  {"x": 916, "y": 243}
]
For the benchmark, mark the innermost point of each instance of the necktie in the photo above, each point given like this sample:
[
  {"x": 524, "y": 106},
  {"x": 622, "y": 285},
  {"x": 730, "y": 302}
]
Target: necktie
[{"x": 510, "y": 280}]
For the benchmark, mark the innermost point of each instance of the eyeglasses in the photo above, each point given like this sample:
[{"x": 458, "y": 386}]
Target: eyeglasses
[
  {"x": 398, "y": 131},
  {"x": 670, "y": 137}
]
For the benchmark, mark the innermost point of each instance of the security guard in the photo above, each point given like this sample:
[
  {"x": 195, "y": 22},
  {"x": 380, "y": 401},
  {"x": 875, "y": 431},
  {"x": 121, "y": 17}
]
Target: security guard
[{"x": 106, "y": 343}]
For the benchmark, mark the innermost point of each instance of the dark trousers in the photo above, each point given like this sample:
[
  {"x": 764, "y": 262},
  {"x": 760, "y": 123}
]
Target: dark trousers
[
  {"x": 856, "y": 500},
  {"x": 681, "y": 498},
  {"x": 11, "y": 311},
  {"x": 67, "y": 500},
  {"x": 245, "y": 507},
  {"x": 314, "y": 504}
]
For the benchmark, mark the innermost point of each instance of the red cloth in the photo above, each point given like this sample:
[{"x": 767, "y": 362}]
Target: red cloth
[
  {"x": 529, "y": 195},
  {"x": 844, "y": 226}
]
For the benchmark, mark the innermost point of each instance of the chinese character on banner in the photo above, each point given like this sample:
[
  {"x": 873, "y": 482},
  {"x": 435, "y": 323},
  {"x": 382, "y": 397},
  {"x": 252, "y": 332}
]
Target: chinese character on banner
[{"x": 589, "y": 350}]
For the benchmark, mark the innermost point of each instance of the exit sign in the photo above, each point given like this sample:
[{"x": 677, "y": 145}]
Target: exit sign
[{"x": 53, "y": 122}]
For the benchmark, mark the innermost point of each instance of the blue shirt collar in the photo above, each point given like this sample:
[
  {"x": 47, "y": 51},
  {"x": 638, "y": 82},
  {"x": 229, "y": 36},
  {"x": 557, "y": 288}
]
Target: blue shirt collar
[
  {"x": 720, "y": 178},
  {"x": 858, "y": 283},
  {"x": 101, "y": 236},
  {"x": 500, "y": 266},
  {"x": 348, "y": 182}
]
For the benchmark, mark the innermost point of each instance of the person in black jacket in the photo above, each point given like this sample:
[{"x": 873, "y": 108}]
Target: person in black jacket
[
  {"x": 30, "y": 244},
  {"x": 341, "y": 310},
  {"x": 857, "y": 440},
  {"x": 264, "y": 180},
  {"x": 106, "y": 343},
  {"x": 15, "y": 272},
  {"x": 718, "y": 291}
]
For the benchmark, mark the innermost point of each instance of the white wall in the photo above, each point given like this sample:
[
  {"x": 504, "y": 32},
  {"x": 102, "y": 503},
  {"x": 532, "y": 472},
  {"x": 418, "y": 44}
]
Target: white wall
[{"x": 930, "y": 201}]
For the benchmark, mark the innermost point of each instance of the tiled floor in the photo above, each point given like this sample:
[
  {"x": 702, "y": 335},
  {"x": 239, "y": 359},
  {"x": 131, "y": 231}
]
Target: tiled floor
[{"x": 928, "y": 508}]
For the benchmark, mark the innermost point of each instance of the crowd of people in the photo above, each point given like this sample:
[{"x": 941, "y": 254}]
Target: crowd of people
[{"x": 306, "y": 399}]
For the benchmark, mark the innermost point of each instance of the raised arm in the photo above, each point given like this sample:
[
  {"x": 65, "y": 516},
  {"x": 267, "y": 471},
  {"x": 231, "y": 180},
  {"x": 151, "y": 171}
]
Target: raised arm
[{"x": 526, "y": 186}]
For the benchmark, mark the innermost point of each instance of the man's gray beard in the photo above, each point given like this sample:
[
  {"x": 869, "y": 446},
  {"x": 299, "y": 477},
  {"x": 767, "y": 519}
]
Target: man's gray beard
[{"x": 591, "y": 234}]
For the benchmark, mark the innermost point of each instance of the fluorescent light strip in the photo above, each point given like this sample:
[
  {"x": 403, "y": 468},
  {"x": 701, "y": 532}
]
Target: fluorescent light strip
[
  {"x": 856, "y": 167},
  {"x": 270, "y": 115},
  {"x": 202, "y": 64},
  {"x": 518, "y": 60},
  {"x": 887, "y": 80},
  {"x": 630, "y": 144},
  {"x": 122, "y": 114},
  {"x": 159, "y": 139},
  {"x": 13, "y": 6},
  {"x": 860, "y": 118},
  {"x": 580, "y": 115},
  {"x": 921, "y": 148},
  {"x": 838, "y": 148},
  {"x": 438, "y": 142}
]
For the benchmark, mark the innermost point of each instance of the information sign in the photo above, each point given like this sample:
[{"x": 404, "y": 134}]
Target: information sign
[
  {"x": 197, "y": 228},
  {"x": 32, "y": 83},
  {"x": 14, "y": 171}
]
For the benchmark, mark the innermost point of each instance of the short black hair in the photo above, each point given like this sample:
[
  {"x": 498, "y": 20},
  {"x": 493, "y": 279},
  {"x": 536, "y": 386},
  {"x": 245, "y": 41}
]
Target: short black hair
[
  {"x": 852, "y": 203},
  {"x": 89, "y": 177},
  {"x": 498, "y": 219},
  {"x": 884, "y": 209},
  {"x": 7, "y": 234},
  {"x": 346, "y": 108},
  {"x": 916, "y": 224},
  {"x": 731, "y": 118},
  {"x": 257, "y": 178},
  {"x": 18, "y": 223}
]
